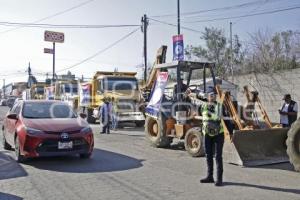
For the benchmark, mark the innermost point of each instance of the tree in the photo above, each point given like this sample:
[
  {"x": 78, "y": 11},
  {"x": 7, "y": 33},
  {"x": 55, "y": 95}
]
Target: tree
[
  {"x": 217, "y": 50},
  {"x": 273, "y": 51}
]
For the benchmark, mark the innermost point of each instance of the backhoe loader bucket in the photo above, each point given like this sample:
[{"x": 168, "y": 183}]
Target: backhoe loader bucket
[{"x": 257, "y": 147}]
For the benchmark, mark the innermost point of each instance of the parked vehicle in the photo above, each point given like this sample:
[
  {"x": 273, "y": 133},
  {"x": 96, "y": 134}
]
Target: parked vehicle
[
  {"x": 3, "y": 102},
  {"x": 37, "y": 128},
  {"x": 36, "y": 91},
  {"x": 122, "y": 86},
  {"x": 10, "y": 101},
  {"x": 67, "y": 91}
]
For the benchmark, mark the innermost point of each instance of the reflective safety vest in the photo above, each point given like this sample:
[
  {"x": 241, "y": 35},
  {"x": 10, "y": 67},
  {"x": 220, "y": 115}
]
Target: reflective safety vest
[{"x": 212, "y": 124}]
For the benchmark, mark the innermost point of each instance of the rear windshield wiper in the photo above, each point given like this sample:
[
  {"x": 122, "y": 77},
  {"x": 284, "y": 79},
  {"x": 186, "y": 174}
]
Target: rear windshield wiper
[{"x": 30, "y": 117}]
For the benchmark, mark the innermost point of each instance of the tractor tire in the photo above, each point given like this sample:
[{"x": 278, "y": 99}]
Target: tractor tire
[
  {"x": 19, "y": 158},
  {"x": 193, "y": 142},
  {"x": 155, "y": 130},
  {"x": 5, "y": 145},
  {"x": 293, "y": 145},
  {"x": 85, "y": 155}
]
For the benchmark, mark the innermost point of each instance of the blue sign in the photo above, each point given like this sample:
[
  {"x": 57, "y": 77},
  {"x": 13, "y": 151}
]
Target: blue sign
[{"x": 178, "y": 48}]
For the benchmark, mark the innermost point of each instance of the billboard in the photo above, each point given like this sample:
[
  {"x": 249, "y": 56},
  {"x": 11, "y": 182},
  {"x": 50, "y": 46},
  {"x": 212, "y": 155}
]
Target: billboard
[
  {"x": 154, "y": 104},
  {"x": 85, "y": 94},
  {"x": 178, "y": 48}
]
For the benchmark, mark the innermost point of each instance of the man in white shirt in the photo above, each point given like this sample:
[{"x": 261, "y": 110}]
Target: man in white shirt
[
  {"x": 288, "y": 112},
  {"x": 105, "y": 115}
]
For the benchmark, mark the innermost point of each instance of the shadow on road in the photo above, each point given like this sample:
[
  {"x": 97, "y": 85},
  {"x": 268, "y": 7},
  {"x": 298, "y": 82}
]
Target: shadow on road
[
  {"x": 9, "y": 168},
  {"x": 294, "y": 191},
  {"x": 6, "y": 196},
  {"x": 283, "y": 166},
  {"x": 101, "y": 161}
]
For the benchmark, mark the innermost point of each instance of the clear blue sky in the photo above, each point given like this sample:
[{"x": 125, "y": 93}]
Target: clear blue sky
[{"x": 23, "y": 45}]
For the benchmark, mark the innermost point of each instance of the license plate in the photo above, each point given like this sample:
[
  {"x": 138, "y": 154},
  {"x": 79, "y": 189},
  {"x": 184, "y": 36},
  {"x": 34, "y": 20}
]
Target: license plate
[{"x": 65, "y": 145}]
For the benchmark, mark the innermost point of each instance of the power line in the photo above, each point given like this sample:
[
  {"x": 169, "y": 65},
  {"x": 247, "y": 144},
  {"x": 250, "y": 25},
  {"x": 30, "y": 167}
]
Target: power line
[
  {"x": 53, "y": 15},
  {"x": 170, "y": 24},
  {"x": 238, "y": 6},
  {"x": 13, "y": 74},
  {"x": 247, "y": 15},
  {"x": 255, "y": 9},
  {"x": 101, "y": 51},
  {"x": 36, "y": 25}
]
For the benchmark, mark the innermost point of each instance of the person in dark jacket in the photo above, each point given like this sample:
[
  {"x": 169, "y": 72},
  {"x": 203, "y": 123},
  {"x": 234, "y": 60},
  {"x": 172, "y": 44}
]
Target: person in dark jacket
[
  {"x": 288, "y": 112},
  {"x": 183, "y": 89}
]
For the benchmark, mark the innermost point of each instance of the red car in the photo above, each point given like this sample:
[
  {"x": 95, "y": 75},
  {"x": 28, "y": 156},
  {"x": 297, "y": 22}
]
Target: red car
[{"x": 46, "y": 128}]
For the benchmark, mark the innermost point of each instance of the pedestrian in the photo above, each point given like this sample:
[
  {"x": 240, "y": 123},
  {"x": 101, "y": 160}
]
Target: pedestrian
[
  {"x": 114, "y": 113},
  {"x": 288, "y": 112},
  {"x": 213, "y": 131},
  {"x": 105, "y": 116}
]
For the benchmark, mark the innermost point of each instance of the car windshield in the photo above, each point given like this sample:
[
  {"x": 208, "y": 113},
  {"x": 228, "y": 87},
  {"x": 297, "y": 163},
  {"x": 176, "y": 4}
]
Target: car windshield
[
  {"x": 41, "y": 110},
  {"x": 40, "y": 90},
  {"x": 11, "y": 100},
  {"x": 70, "y": 88},
  {"x": 112, "y": 83}
]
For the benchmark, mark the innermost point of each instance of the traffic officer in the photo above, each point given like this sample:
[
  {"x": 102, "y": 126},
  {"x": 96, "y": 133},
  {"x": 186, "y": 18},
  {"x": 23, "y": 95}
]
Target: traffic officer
[{"x": 213, "y": 131}]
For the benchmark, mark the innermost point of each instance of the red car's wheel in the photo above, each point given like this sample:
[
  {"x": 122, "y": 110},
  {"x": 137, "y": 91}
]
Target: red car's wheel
[
  {"x": 19, "y": 158},
  {"x": 6, "y": 146},
  {"x": 85, "y": 155}
]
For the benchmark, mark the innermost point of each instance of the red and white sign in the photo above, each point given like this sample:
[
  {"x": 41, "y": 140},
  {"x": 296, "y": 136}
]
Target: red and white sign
[
  {"x": 51, "y": 36},
  {"x": 46, "y": 50}
]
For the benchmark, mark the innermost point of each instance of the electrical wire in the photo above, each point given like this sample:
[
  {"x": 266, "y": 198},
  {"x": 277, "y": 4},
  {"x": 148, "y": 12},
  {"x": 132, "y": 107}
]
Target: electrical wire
[
  {"x": 170, "y": 24},
  {"x": 35, "y": 25},
  {"x": 53, "y": 15},
  {"x": 100, "y": 51},
  {"x": 247, "y": 15},
  {"x": 13, "y": 74},
  {"x": 238, "y": 6},
  {"x": 255, "y": 9}
]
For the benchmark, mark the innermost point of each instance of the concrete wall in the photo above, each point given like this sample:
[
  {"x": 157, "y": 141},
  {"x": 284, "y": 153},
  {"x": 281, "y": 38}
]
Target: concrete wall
[{"x": 271, "y": 88}]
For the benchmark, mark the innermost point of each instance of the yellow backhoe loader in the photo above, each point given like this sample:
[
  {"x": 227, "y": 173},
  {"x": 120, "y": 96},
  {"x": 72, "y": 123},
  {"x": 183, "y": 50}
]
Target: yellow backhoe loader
[{"x": 255, "y": 141}]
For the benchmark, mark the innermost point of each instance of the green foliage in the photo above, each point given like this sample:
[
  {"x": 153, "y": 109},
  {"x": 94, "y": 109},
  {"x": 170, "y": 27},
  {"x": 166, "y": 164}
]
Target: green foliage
[
  {"x": 216, "y": 50},
  {"x": 265, "y": 52}
]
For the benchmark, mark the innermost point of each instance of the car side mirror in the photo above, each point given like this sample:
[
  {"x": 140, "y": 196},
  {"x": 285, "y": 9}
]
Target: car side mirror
[
  {"x": 82, "y": 115},
  {"x": 12, "y": 116}
]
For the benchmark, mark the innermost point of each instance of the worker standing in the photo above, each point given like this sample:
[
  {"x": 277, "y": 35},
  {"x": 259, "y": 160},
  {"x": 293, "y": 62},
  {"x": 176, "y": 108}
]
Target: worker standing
[
  {"x": 213, "y": 131},
  {"x": 105, "y": 116},
  {"x": 288, "y": 112}
]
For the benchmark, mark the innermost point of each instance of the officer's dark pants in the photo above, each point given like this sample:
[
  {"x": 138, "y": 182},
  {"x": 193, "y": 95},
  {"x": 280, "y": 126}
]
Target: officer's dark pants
[
  {"x": 214, "y": 144},
  {"x": 106, "y": 125}
]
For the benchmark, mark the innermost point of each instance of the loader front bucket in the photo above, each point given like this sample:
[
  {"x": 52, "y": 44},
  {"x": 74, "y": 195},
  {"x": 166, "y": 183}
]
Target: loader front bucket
[{"x": 256, "y": 147}]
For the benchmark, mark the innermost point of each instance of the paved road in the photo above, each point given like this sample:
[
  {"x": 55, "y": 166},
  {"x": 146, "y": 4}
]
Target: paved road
[{"x": 124, "y": 166}]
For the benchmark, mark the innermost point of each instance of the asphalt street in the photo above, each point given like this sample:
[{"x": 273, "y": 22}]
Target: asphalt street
[{"x": 125, "y": 166}]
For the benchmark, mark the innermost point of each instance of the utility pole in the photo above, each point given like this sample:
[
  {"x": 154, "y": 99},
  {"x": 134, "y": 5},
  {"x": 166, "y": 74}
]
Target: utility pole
[
  {"x": 3, "y": 88},
  {"x": 144, "y": 27},
  {"x": 178, "y": 16},
  {"x": 53, "y": 73},
  {"x": 231, "y": 53}
]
